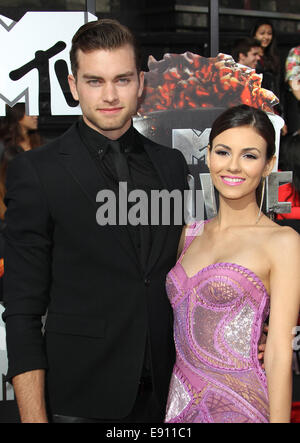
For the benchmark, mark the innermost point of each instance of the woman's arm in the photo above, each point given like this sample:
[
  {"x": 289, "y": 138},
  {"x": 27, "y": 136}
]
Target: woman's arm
[{"x": 284, "y": 310}]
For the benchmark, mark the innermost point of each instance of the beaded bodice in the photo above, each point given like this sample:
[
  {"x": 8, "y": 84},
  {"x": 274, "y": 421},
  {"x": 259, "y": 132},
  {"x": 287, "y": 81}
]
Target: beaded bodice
[{"x": 218, "y": 318}]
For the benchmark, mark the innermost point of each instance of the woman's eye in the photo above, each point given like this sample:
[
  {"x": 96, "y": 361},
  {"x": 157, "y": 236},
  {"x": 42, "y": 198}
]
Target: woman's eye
[
  {"x": 251, "y": 156},
  {"x": 223, "y": 153}
]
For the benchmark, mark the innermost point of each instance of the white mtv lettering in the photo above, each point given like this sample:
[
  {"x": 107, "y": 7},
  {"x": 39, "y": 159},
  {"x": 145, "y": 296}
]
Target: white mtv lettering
[{"x": 37, "y": 48}]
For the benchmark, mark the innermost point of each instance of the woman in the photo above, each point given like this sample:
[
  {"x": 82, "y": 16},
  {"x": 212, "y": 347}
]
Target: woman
[
  {"x": 230, "y": 271},
  {"x": 9, "y": 154},
  {"x": 18, "y": 133},
  {"x": 269, "y": 63},
  {"x": 19, "y": 129}
]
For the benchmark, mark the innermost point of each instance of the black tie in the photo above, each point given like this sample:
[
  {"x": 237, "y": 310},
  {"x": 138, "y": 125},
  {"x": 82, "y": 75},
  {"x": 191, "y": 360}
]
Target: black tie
[{"x": 120, "y": 162}]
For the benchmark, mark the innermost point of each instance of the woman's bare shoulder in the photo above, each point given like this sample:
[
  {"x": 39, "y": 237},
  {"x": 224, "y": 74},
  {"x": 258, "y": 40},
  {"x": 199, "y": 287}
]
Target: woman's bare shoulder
[{"x": 283, "y": 242}]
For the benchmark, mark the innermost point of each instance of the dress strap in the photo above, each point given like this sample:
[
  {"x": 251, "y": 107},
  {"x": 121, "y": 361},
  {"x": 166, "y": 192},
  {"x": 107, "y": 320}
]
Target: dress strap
[{"x": 191, "y": 231}]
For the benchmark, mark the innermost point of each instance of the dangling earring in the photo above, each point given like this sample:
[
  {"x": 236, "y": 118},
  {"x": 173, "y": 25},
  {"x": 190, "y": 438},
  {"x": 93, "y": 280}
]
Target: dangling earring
[{"x": 261, "y": 199}]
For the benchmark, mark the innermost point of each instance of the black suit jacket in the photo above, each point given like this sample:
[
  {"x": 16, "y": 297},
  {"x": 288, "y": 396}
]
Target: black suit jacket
[{"x": 100, "y": 303}]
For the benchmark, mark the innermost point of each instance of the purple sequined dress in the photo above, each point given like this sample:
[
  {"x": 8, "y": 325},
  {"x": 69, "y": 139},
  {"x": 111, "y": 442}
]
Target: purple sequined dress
[{"x": 218, "y": 318}]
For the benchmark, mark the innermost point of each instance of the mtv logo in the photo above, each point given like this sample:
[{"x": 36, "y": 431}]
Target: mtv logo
[
  {"x": 192, "y": 143},
  {"x": 38, "y": 46}
]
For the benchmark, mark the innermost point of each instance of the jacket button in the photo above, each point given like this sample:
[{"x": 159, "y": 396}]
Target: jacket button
[{"x": 147, "y": 281}]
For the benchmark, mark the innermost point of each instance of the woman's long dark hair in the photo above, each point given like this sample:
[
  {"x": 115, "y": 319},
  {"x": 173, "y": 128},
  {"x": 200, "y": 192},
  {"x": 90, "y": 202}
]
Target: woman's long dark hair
[
  {"x": 244, "y": 115},
  {"x": 10, "y": 132},
  {"x": 271, "y": 57},
  {"x": 8, "y": 155}
]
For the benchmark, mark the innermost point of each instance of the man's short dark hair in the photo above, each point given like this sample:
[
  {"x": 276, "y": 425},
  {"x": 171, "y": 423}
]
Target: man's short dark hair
[
  {"x": 243, "y": 46},
  {"x": 104, "y": 34}
]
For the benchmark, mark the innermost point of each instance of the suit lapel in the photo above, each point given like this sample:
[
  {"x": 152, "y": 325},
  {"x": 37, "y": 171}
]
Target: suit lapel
[
  {"x": 77, "y": 161},
  {"x": 154, "y": 152}
]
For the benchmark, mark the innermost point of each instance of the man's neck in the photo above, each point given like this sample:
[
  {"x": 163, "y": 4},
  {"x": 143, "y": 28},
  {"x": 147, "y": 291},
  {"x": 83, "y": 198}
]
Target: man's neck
[{"x": 114, "y": 134}]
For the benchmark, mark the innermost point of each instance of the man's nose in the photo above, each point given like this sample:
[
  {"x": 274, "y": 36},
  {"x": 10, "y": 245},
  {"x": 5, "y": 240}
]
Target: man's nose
[{"x": 110, "y": 93}]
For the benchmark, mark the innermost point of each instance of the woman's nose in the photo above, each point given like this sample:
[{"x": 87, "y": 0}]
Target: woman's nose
[{"x": 233, "y": 164}]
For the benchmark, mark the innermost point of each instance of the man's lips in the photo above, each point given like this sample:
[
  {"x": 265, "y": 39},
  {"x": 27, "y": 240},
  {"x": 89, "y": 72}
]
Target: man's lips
[
  {"x": 232, "y": 180},
  {"x": 110, "y": 110}
]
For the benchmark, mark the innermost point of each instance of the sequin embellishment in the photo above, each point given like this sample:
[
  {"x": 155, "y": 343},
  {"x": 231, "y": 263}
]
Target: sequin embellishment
[{"x": 237, "y": 333}]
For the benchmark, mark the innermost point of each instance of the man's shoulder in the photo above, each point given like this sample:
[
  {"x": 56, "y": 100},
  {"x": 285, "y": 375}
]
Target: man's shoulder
[
  {"x": 46, "y": 156},
  {"x": 170, "y": 153},
  {"x": 51, "y": 147}
]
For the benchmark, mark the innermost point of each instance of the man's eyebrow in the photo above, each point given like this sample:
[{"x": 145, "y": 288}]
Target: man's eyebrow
[
  {"x": 92, "y": 77},
  {"x": 125, "y": 74},
  {"x": 98, "y": 77}
]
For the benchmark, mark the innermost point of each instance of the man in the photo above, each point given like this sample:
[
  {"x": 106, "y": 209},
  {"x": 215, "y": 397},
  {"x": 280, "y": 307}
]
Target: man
[
  {"x": 247, "y": 52},
  {"x": 107, "y": 351}
]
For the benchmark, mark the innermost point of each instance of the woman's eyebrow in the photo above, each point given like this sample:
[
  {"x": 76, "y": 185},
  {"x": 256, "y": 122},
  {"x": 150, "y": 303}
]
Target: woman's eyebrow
[
  {"x": 250, "y": 148},
  {"x": 223, "y": 146}
]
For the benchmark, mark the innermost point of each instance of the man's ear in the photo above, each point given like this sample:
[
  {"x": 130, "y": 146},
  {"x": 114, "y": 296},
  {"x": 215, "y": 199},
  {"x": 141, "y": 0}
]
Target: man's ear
[
  {"x": 141, "y": 83},
  {"x": 73, "y": 87},
  {"x": 241, "y": 58}
]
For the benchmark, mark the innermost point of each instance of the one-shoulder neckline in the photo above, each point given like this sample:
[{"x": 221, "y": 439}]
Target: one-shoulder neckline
[{"x": 227, "y": 265}]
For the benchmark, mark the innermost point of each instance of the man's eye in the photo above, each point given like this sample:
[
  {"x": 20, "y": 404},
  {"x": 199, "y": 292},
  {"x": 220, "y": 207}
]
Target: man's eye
[
  {"x": 93, "y": 82},
  {"x": 123, "y": 81}
]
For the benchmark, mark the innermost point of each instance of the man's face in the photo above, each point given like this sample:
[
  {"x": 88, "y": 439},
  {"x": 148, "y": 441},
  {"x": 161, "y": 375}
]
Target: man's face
[
  {"x": 251, "y": 58},
  {"x": 107, "y": 87}
]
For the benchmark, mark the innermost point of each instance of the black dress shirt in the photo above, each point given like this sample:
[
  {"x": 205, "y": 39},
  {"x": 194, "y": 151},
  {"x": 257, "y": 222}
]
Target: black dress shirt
[{"x": 143, "y": 176}]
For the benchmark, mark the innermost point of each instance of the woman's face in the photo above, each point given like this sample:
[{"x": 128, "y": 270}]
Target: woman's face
[
  {"x": 29, "y": 122},
  {"x": 237, "y": 161},
  {"x": 264, "y": 34}
]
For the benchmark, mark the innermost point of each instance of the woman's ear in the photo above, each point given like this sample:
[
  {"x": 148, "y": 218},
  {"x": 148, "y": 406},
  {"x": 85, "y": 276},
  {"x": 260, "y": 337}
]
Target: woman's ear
[
  {"x": 269, "y": 166},
  {"x": 207, "y": 159}
]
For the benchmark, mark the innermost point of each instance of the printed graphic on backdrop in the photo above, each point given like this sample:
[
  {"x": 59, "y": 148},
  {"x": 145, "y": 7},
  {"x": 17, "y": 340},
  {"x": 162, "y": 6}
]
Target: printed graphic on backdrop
[
  {"x": 36, "y": 53},
  {"x": 188, "y": 91},
  {"x": 185, "y": 93}
]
